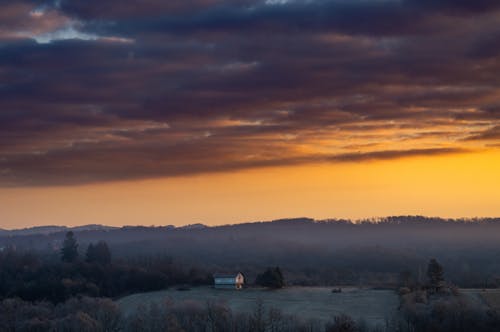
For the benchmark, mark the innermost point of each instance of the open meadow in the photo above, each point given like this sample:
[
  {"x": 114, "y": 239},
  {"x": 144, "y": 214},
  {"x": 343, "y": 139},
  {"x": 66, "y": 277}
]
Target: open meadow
[
  {"x": 492, "y": 298},
  {"x": 318, "y": 303},
  {"x": 486, "y": 298}
]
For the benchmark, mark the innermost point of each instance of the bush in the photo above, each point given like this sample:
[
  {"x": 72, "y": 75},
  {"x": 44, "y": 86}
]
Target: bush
[{"x": 272, "y": 278}]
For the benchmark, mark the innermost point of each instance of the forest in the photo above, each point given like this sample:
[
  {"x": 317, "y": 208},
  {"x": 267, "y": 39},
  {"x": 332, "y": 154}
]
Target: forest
[
  {"x": 326, "y": 252},
  {"x": 50, "y": 280}
]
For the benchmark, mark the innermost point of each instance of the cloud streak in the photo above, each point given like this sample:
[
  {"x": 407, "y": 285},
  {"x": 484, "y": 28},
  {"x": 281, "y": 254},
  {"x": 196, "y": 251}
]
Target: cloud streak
[{"x": 166, "y": 89}]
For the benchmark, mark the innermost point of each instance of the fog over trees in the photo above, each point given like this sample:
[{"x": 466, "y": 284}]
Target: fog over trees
[
  {"x": 309, "y": 252},
  {"x": 62, "y": 280}
]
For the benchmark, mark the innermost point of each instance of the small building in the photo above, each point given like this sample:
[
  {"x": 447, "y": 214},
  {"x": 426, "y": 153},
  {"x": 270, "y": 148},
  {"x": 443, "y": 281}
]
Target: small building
[{"x": 229, "y": 281}]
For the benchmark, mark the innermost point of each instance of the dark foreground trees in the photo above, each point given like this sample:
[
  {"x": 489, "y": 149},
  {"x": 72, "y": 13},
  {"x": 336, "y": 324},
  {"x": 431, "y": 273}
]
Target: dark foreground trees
[
  {"x": 444, "y": 313},
  {"x": 212, "y": 317},
  {"x": 84, "y": 314},
  {"x": 99, "y": 315},
  {"x": 342, "y": 323}
]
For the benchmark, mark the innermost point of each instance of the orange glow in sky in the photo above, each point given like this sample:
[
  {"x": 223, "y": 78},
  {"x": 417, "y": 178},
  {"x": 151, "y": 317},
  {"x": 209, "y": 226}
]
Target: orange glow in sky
[
  {"x": 459, "y": 185},
  {"x": 174, "y": 112}
]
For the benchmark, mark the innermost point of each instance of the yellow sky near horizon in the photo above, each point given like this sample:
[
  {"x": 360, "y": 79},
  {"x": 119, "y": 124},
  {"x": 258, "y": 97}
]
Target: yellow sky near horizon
[{"x": 458, "y": 185}]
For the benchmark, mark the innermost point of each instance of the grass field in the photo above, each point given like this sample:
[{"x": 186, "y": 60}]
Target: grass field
[
  {"x": 318, "y": 303},
  {"x": 483, "y": 298},
  {"x": 492, "y": 298}
]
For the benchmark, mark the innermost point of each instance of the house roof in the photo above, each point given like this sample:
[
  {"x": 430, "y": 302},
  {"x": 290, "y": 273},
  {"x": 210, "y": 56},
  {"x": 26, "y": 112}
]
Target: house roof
[{"x": 226, "y": 275}]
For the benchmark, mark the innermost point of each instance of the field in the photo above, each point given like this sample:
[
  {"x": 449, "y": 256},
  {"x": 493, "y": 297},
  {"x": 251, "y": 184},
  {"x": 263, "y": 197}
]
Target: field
[
  {"x": 318, "y": 303},
  {"x": 491, "y": 297}
]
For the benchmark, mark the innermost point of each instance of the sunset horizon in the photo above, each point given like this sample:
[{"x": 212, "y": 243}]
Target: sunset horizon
[
  {"x": 220, "y": 111},
  {"x": 429, "y": 186}
]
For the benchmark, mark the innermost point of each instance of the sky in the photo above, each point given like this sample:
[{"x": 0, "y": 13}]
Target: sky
[{"x": 215, "y": 111}]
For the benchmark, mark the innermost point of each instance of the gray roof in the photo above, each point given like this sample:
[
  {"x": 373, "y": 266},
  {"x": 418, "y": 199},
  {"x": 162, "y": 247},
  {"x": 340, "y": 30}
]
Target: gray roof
[{"x": 226, "y": 275}]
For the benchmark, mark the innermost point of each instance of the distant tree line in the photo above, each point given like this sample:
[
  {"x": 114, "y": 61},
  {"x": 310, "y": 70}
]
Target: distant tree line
[{"x": 329, "y": 252}]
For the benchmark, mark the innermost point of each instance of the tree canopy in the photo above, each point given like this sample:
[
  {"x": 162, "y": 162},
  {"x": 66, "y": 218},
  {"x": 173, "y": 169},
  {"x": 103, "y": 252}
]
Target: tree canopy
[
  {"x": 272, "y": 278},
  {"x": 98, "y": 253}
]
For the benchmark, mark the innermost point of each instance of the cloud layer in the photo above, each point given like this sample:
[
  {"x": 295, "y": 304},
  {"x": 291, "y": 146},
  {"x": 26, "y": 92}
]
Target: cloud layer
[{"x": 93, "y": 91}]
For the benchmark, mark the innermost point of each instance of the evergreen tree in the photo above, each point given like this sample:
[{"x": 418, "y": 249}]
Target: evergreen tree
[
  {"x": 272, "y": 277},
  {"x": 435, "y": 275},
  {"x": 69, "y": 250},
  {"x": 90, "y": 254}
]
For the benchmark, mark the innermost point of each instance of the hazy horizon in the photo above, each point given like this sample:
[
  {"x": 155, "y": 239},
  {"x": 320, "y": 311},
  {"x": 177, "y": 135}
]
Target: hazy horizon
[{"x": 374, "y": 219}]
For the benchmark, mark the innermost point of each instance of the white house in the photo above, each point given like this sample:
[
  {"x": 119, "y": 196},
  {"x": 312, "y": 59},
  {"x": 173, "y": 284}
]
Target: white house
[{"x": 229, "y": 281}]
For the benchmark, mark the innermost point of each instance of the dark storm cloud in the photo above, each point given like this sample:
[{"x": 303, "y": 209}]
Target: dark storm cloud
[
  {"x": 370, "y": 18},
  {"x": 95, "y": 91},
  {"x": 383, "y": 17},
  {"x": 464, "y": 7}
]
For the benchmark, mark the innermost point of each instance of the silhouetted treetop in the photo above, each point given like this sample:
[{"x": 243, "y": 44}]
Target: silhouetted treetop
[
  {"x": 69, "y": 250},
  {"x": 272, "y": 278},
  {"x": 435, "y": 275}
]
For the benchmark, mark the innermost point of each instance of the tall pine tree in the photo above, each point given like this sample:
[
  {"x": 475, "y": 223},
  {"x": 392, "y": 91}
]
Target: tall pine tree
[
  {"x": 435, "y": 275},
  {"x": 69, "y": 250}
]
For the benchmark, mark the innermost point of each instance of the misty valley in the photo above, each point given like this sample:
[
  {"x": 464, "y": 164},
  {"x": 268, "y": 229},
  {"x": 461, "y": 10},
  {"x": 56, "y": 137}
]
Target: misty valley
[{"x": 405, "y": 273}]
